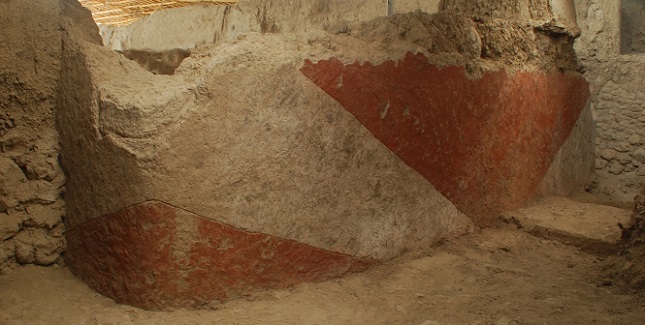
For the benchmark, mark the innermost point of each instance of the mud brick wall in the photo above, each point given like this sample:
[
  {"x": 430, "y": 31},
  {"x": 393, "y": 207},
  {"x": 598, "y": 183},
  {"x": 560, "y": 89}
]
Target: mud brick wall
[
  {"x": 31, "y": 180},
  {"x": 617, "y": 96}
]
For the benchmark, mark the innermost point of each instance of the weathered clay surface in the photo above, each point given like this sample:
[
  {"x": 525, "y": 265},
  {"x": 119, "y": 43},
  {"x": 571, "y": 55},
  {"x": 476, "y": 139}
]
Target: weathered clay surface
[
  {"x": 626, "y": 268},
  {"x": 153, "y": 255},
  {"x": 599, "y": 22},
  {"x": 240, "y": 137},
  {"x": 554, "y": 15},
  {"x": 486, "y": 144},
  {"x": 266, "y": 150},
  {"x": 31, "y": 180},
  {"x": 574, "y": 165}
]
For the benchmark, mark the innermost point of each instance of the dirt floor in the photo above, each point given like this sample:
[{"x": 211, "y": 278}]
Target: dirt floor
[{"x": 499, "y": 276}]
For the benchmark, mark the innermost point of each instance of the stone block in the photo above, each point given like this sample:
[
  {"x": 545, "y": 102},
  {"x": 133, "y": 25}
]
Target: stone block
[
  {"x": 39, "y": 246},
  {"x": 37, "y": 191},
  {"x": 48, "y": 249},
  {"x": 7, "y": 250},
  {"x": 10, "y": 225},
  {"x": 24, "y": 248},
  {"x": 38, "y": 166},
  {"x": 592, "y": 227},
  {"x": 615, "y": 167},
  {"x": 639, "y": 155},
  {"x": 601, "y": 163},
  {"x": 11, "y": 178},
  {"x": 608, "y": 154},
  {"x": 624, "y": 158},
  {"x": 47, "y": 216},
  {"x": 630, "y": 168}
]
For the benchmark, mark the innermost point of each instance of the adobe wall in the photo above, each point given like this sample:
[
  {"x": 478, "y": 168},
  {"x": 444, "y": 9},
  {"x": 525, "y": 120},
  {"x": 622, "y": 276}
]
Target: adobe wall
[
  {"x": 254, "y": 167},
  {"x": 31, "y": 179},
  {"x": 32, "y": 184},
  {"x": 309, "y": 145},
  {"x": 616, "y": 92}
]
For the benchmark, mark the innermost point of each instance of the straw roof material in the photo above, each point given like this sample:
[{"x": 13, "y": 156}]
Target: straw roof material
[{"x": 124, "y": 12}]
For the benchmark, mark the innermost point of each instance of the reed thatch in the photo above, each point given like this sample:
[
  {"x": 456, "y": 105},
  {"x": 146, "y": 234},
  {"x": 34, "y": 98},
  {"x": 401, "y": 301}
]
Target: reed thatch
[{"x": 124, "y": 12}]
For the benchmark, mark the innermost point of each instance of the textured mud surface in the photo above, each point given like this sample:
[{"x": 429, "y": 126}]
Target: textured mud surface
[
  {"x": 31, "y": 178},
  {"x": 497, "y": 277},
  {"x": 239, "y": 135},
  {"x": 627, "y": 269},
  {"x": 616, "y": 93}
]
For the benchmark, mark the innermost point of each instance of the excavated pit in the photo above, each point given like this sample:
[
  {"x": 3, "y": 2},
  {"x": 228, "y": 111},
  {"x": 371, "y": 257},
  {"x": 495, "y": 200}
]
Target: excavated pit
[{"x": 161, "y": 62}]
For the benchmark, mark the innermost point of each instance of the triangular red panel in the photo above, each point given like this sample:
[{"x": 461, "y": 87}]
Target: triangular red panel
[
  {"x": 156, "y": 256},
  {"x": 485, "y": 143}
]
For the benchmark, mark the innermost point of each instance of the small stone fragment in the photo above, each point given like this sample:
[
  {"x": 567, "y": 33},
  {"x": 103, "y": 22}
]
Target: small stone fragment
[
  {"x": 615, "y": 167},
  {"x": 6, "y": 251},
  {"x": 10, "y": 174},
  {"x": 48, "y": 194},
  {"x": 641, "y": 171},
  {"x": 39, "y": 246},
  {"x": 630, "y": 168},
  {"x": 38, "y": 215},
  {"x": 7, "y": 202},
  {"x": 601, "y": 163},
  {"x": 430, "y": 322},
  {"x": 39, "y": 191},
  {"x": 639, "y": 155},
  {"x": 624, "y": 158},
  {"x": 37, "y": 166},
  {"x": 608, "y": 154},
  {"x": 9, "y": 226},
  {"x": 47, "y": 245},
  {"x": 623, "y": 147},
  {"x": 505, "y": 321},
  {"x": 11, "y": 177},
  {"x": 24, "y": 252},
  {"x": 45, "y": 255},
  {"x": 635, "y": 140}
]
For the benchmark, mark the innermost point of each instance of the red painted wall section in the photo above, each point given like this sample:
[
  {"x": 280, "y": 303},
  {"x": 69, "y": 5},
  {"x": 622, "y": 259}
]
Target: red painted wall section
[
  {"x": 485, "y": 144},
  {"x": 155, "y": 256}
]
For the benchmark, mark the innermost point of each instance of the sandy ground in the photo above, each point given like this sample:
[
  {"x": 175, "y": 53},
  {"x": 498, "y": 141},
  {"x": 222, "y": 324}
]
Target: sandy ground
[{"x": 499, "y": 276}]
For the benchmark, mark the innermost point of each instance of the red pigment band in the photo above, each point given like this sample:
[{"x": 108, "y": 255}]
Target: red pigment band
[
  {"x": 155, "y": 256},
  {"x": 485, "y": 144}
]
